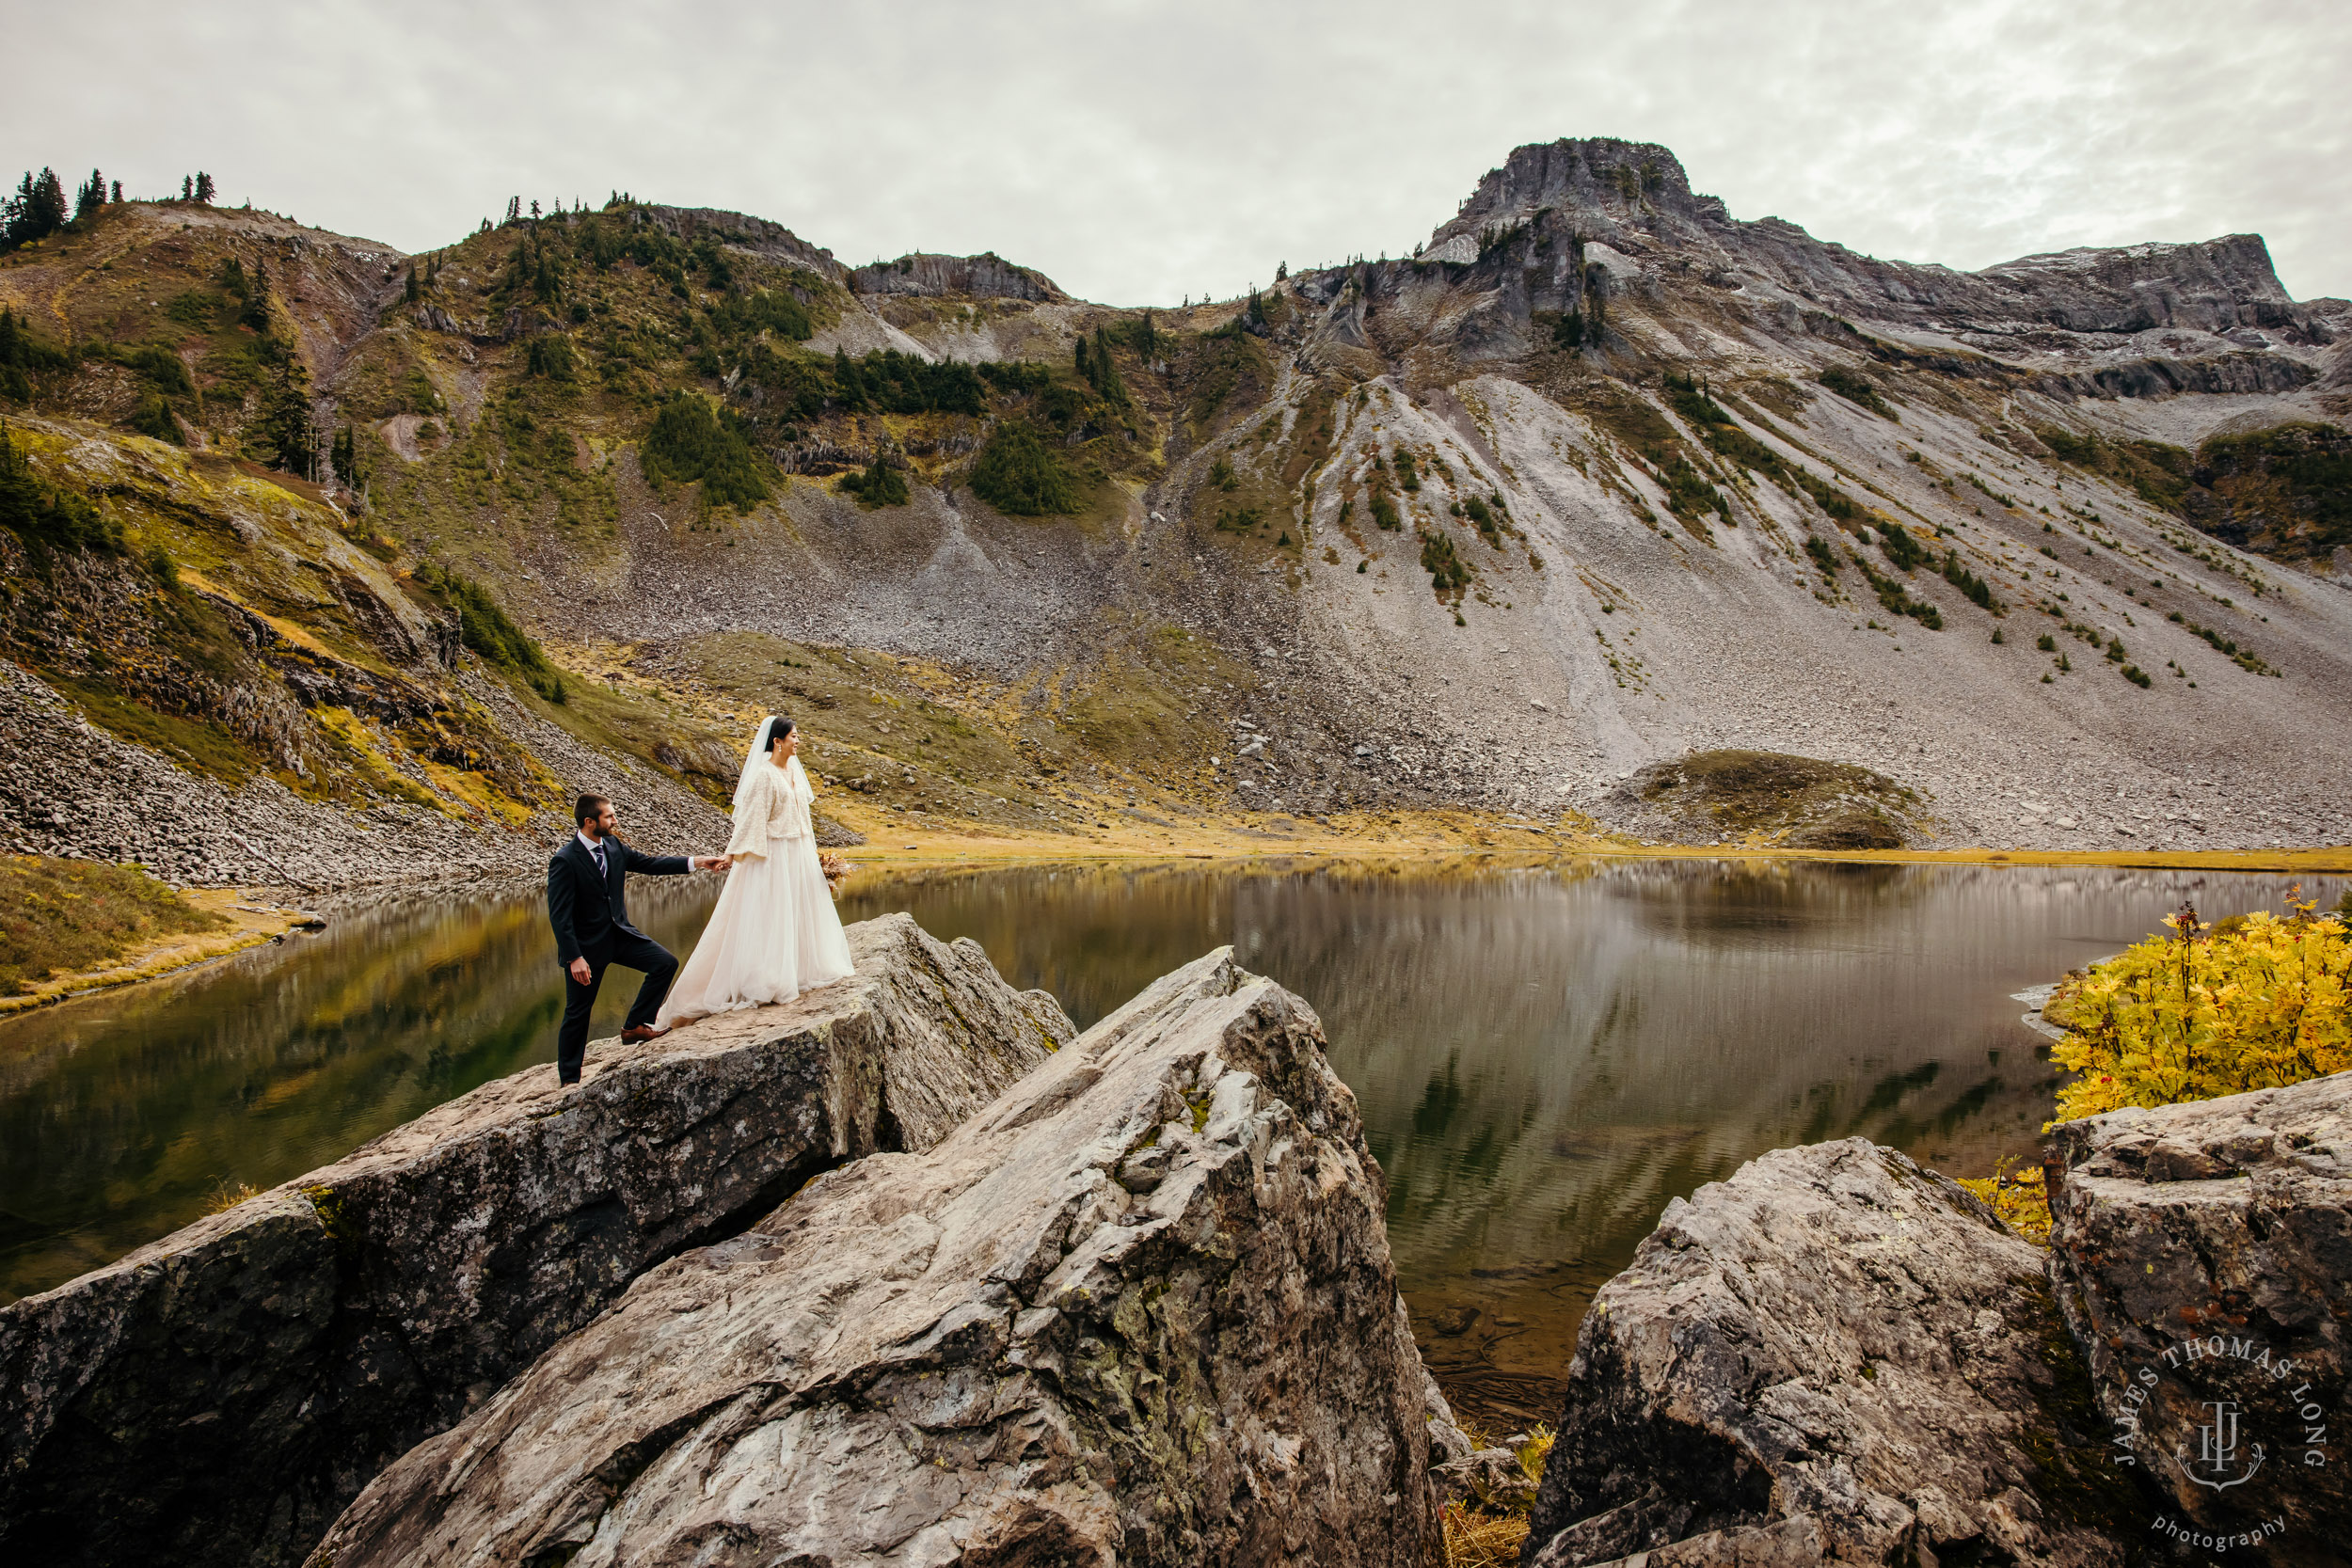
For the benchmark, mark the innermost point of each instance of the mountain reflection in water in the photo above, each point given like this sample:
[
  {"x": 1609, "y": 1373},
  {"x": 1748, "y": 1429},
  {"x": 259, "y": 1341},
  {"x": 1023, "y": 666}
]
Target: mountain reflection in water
[{"x": 1543, "y": 1057}]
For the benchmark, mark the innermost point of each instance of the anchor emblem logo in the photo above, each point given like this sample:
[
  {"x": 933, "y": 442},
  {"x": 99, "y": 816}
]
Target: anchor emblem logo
[{"x": 2218, "y": 1460}]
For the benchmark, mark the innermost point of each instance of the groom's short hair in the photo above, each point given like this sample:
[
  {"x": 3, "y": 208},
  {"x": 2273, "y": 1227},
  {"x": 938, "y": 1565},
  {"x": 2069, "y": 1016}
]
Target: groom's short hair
[{"x": 586, "y": 807}]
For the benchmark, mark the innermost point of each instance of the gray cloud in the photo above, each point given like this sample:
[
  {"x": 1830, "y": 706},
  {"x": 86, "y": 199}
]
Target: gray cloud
[{"x": 1139, "y": 151}]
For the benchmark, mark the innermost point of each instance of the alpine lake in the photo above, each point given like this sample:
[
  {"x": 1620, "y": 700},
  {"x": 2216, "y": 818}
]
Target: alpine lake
[{"x": 1544, "y": 1054}]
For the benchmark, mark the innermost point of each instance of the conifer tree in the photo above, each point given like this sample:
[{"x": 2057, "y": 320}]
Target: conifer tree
[
  {"x": 118, "y": 197},
  {"x": 37, "y": 210},
  {"x": 205, "y": 189},
  {"x": 187, "y": 187},
  {"x": 849, "y": 384},
  {"x": 89, "y": 196},
  {"x": 413, "y": 292},
  {"x": 256, "y": 311},
  {"x": 344, "y": 457},
  {"x": 284, "y": 436},
  {"x": 14, "y": 383}
]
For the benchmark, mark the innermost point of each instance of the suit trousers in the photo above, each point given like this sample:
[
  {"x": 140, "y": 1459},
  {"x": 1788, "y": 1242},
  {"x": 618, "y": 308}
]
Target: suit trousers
[{"x": 630, "y": 950}]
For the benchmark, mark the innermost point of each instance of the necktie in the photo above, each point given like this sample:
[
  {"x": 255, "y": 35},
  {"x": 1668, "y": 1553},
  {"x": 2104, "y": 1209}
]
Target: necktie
[{"x": 603, "y": 871}]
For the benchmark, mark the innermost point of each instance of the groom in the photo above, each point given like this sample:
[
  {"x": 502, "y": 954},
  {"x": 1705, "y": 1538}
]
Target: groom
[{"x": 588, "y": 906}]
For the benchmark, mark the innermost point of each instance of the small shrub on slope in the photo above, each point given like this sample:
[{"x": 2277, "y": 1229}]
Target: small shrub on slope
[
  {"x": 1018, "y": 474},
  {"x": 879, "y": 486},
  {"x": 486, "y": 627},
  {"x": 1854, "y": 389},
  {"x": 690, "y": 442}
]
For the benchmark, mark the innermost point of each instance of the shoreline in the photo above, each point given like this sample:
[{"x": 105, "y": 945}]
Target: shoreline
[
  {"x": 1431, "y": 838},
  {"x": 161, "y": 958}
]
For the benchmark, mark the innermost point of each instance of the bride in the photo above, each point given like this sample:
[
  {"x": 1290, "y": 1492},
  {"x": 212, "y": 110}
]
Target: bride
[{"x": 774, "y": 933}]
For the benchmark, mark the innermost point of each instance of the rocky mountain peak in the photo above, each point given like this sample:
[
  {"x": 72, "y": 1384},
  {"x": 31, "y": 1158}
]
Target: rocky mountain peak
[
  {"x": 1598, "y": 179},
  {"x": 1636, "y": 198}
]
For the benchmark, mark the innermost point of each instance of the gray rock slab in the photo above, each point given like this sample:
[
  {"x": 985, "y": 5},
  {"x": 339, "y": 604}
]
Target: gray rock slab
[
  {"x": 1832, "y": 1357},
  {"x": 219, "y": 1396},
  {"x": 2202, "y": 1256},
  {"x": 1139, "y": 1310}
]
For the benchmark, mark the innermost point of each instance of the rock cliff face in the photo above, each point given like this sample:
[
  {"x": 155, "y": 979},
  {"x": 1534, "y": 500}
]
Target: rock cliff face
[
  {"x": 1833, "y": 1355},
  {"x": 925, "y": 276},
  {"x": 2202, "y": 1255},
  {"x": 1139, "y": 1310},
  {"x": 218, "y": 1397}
]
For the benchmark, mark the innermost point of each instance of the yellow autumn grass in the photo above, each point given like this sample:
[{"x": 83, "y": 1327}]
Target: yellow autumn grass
[
  {"x": 227, "y": 1197},
  {"x": 1478, "y": 1537}
]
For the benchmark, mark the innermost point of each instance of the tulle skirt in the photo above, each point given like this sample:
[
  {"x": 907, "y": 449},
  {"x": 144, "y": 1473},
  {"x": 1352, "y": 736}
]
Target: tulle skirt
[{"x": 774, "y": 935}]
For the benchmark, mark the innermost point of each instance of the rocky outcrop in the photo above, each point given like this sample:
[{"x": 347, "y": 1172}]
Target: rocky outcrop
[
  {"x": 756, "y": 236},
  {"x": 219, "y": 1396},
  {"x": 1636, "y": 197},
  {"x": 2284, "y": 491},
  {"x": 1833, "y": 1355},
  {"x": 2202, "y": 1255},
  {"x": 925, "y": 276},
  {"x": 1139, "y": 1310}
]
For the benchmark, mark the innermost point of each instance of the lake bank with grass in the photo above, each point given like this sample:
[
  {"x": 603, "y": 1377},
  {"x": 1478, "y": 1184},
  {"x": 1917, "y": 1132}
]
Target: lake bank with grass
[{"x": 68, "y": 928}]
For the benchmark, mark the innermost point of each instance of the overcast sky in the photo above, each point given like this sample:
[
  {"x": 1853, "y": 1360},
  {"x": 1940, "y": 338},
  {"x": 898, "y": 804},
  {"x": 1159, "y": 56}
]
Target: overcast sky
[{"x": 1139, "y": 151}]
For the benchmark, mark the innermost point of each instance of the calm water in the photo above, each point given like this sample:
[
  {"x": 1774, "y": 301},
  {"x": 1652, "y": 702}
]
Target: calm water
[{"x": 1543, "y": 1057}]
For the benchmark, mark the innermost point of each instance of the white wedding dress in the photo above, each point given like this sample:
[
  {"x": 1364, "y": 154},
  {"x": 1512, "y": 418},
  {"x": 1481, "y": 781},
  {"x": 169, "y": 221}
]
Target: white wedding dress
[{"x": 775, "y": 933}]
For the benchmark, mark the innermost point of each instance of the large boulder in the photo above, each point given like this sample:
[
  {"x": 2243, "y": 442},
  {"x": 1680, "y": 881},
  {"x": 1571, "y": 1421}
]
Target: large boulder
[
  {"x": 1832, "y": 1357},
  {"x": 219, "y": 1396},
  {"x": 1141, "y": 1310},
  {"x": 2202, "y": 1256}
]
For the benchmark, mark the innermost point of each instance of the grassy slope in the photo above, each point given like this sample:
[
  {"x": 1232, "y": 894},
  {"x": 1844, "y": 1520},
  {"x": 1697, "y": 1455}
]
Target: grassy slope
[{"x": 60, "y": 915}]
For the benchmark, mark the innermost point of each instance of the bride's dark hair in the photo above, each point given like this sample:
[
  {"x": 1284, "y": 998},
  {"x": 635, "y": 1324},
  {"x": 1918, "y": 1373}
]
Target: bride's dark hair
[{"x": 780, "y": 727}]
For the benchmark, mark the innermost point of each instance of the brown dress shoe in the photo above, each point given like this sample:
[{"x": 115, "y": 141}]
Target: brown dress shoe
[{"x": 636, "y": 1032}]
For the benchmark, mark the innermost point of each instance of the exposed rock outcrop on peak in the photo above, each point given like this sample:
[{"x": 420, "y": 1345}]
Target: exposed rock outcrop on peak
[
  {"x": 1833, "y": 1355},
  {"x": 2203, "y": 1253},
  {"x": 1139, "y": 1310},
  {"x": 927, "y": 275},
  {"x": 753, "y": 236},
  {"x": 218, "y": 1397}
]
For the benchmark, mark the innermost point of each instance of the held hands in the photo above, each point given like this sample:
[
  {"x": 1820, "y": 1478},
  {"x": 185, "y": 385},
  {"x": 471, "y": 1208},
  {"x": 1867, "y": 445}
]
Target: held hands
[{"x": 712, "y": 862}]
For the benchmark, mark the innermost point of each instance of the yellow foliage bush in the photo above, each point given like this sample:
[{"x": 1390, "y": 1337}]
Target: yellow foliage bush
[
  {"x": 2019, "y": 1197},
  {"x": 2208, "y": 1011}
]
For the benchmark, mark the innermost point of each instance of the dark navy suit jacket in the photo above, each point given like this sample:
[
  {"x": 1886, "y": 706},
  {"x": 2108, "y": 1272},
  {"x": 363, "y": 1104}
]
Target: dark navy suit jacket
[{"x": 588, "y": 912}]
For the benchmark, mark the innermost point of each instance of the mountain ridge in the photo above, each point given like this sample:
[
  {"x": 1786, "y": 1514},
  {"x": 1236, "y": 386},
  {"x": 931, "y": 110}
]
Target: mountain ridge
[{"x": 1601, "y": 480}]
